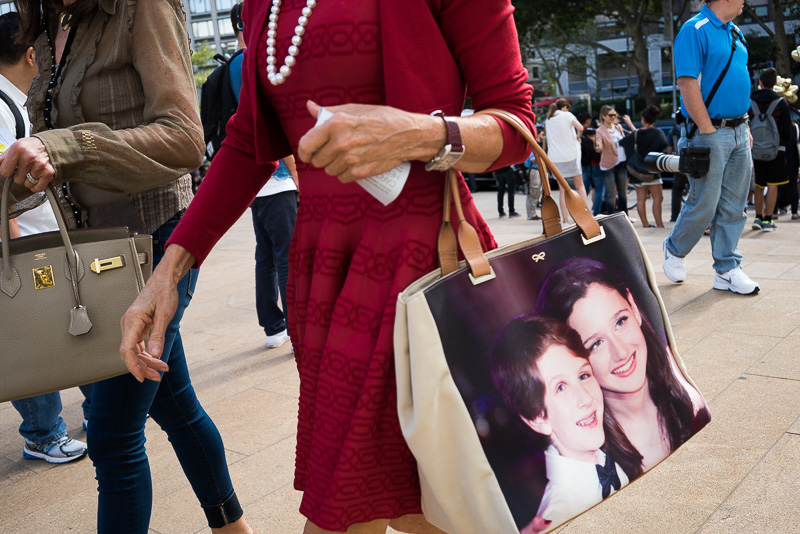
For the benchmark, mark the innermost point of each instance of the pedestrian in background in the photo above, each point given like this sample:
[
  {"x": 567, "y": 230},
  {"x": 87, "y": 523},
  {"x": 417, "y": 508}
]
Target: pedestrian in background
[
  {"x": 564, "y": 148},
  {"x": 612, "y": 161},
  {"x": 705, "y": 44},
  {"x": 274, "y": 211},
  {"x": 772, "y": 173},
  {"x": 679, "y": 180},
  {"x": 534, "y": 191},
  {"x": 647, "y": 139},
  {"x": 506, "y": 179},
  {"x": 590, "y": 166}
]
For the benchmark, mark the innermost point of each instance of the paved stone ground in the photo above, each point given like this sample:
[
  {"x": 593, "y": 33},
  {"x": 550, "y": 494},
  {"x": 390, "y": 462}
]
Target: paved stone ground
[{"x": 739, "y": 475}]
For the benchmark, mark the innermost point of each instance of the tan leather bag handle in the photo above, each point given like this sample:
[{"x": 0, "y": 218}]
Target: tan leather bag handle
[{"x": 468, "y": 239}]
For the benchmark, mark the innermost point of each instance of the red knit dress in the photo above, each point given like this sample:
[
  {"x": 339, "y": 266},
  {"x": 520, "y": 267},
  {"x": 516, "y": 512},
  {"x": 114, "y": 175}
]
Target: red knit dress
[{"x": 350, "y": 255}]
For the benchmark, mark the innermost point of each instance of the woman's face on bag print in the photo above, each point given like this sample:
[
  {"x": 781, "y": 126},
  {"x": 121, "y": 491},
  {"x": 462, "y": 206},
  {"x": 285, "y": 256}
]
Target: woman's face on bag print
[
  {"x": 574, "y": 404},
  {"x": 610, "y": 326}
]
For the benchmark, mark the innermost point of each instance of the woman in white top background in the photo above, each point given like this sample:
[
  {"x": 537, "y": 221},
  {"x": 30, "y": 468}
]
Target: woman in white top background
[{"x": 564, "y": 147}]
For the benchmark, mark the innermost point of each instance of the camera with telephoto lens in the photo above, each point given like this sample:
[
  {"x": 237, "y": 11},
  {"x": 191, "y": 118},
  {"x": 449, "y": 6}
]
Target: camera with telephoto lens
[{"x": 693, "y": 161}]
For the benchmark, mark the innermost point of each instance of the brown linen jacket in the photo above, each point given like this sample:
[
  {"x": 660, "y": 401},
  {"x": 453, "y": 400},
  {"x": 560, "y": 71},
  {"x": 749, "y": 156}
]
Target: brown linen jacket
[{"x": 125, "y": 109}]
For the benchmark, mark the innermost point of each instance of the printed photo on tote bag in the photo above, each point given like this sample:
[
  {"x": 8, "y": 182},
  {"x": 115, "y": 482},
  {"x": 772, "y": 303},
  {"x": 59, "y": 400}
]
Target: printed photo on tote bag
[{"x": 560, "y": 361}]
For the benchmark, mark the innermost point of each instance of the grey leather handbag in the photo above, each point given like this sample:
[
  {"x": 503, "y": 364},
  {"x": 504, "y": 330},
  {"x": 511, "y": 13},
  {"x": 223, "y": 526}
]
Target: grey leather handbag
[{"x": 62, "y": 295}]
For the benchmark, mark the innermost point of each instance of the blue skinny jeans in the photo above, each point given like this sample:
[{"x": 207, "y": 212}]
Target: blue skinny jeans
[{"x": 116, "y": 438}]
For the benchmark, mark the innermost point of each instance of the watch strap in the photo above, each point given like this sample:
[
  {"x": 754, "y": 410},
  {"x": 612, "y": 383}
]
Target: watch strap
[{"x": 453, "y": 148}]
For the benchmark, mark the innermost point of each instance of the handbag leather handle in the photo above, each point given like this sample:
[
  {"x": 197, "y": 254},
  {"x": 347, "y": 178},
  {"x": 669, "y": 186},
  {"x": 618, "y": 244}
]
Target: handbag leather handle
[
  {"x": 575, "y": 205},
  {"x": 468, "y": 239},
  {"x": 10, "y": 281}
]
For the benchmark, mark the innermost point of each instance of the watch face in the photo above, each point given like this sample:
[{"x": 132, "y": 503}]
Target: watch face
[{"x": 446, "y": 158}]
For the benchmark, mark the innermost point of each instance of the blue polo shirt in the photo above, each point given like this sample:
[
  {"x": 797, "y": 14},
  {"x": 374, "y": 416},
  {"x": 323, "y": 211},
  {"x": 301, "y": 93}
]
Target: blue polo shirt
[{"x": 702, "y": 49}]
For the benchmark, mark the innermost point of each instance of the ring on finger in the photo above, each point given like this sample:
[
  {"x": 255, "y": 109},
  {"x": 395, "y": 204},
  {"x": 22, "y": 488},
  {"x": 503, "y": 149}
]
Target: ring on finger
[{"x": 31, "y": 179}]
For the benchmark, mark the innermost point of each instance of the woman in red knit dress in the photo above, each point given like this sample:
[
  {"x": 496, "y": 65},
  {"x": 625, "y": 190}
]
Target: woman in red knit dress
[{"x": 381, "y": 67}]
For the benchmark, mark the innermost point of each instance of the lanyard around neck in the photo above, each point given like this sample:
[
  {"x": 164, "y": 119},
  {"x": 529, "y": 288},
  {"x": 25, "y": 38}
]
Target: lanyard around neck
[{"x": 55, "y": 74}]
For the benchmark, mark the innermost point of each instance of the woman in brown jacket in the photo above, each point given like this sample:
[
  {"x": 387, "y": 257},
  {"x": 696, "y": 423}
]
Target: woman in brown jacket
[{"x": 116, "y": 123}]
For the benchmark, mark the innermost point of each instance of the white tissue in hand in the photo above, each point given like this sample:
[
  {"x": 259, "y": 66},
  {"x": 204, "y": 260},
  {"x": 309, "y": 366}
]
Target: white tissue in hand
[{"x": 385, "y": 187}]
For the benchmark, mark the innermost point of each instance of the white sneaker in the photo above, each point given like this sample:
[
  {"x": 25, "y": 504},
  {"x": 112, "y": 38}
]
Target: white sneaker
[
  {"x": 278, "y": 339},
  {"x": 674, "y": 267},
  {"x": 735, "y": 280}
]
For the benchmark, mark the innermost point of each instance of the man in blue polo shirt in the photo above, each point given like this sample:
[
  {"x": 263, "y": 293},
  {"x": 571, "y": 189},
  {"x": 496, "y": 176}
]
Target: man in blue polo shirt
[{"x": 704, "y": 45}]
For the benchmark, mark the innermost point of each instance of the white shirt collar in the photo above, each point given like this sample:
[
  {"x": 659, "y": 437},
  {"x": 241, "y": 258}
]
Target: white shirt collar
[{"x": 11, "y": 90}]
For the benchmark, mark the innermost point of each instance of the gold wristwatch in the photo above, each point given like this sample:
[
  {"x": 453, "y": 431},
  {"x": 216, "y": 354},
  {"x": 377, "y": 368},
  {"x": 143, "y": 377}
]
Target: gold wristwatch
[{"x": 453, "y": 149}]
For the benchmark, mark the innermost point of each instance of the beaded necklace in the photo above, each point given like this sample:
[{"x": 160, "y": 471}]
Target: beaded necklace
[
  {"x": 277, "y": 75},
  {"x": 55, "y": 73}
]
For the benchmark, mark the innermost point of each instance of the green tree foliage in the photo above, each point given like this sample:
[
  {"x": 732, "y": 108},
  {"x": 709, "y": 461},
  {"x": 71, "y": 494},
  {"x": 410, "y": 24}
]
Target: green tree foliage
[
  {"x": 782, "y": 49},
  {"x": 203, "y": 63},
  {"x": 538, "y": 21}
]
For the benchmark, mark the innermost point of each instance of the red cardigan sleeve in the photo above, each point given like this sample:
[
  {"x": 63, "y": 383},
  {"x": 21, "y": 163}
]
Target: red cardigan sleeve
[{"x": 483, "y": 39}]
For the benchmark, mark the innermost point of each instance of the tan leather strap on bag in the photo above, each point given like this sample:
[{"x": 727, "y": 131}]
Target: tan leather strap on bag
[
  {"x": 575, "y": 205},
  {"x": 468, "y": 239}
]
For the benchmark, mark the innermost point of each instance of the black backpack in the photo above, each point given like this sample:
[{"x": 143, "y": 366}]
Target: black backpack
[{"x": 217, "y": 104}]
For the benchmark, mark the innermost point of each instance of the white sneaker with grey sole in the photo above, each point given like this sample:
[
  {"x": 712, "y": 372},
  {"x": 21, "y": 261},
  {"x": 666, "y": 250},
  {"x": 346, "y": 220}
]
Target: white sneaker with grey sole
[
  {"x": 737, "y": 281},
  {"x": 59, "y": 451},
  {"x": 278, "y": 339},
  {"x": 674, "y": 267}
]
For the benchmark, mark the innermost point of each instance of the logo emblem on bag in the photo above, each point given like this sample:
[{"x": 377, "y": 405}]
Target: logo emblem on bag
[
  {"x": 538, "y": 257},
  {"x": 43, "y": 277},
  {"x": 40, "y": 256}
]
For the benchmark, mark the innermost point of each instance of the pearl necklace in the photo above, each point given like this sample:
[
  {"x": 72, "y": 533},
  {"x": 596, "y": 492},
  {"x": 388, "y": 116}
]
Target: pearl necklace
[{"x": 278, "y": 76}]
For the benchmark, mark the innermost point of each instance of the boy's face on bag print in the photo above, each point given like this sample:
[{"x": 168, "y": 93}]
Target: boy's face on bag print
[
  {"x": 610, "y": 326},
  {"x": 574, "y": 404}
]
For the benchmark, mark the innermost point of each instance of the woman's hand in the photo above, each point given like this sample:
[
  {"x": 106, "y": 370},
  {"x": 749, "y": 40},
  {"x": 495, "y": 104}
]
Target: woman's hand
[
  {"x": 26, "y": 161},
  {"x": 145, "y": 323},
  {"x": 149, "y": 315},
  {"x": 628, "y": 122},
  {"x": 361, "y": 140}
]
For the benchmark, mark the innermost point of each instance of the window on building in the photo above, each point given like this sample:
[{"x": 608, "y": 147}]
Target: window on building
[
  {"x": 534, "y": 71},
  {"x": 229, "y": 47},
  {"x": 224, "y": 6},
  {"x": 761, "y": 11},
  {"x": 203, "y": 29},
  {"x": 611, "y": 29},
  {"x": 225, "y": 26},
  {"x": 199, "y": 6},
  {"x": 576, "y": 69},
  {"x": 612, "y": 66}
]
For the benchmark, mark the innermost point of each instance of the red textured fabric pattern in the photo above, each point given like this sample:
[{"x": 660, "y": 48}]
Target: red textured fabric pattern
[{"x": 350, "y": 255}]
